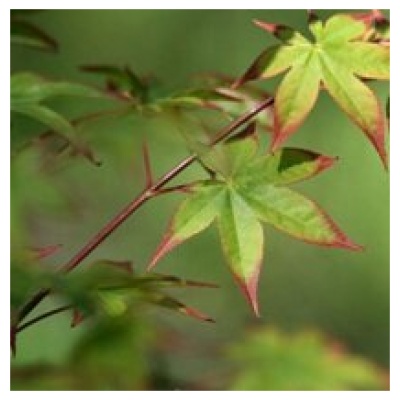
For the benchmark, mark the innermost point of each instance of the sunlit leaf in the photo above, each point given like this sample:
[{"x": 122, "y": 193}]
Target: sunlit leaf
[
  {"x": 242, "y": 149},
  {"x": 248, "y": 189},
  {"x": 338, "y": 58},
  {"x": 242, "y": 242},
  {"x": 194, "y": 215},
  {"x": 285, "y": 166}
]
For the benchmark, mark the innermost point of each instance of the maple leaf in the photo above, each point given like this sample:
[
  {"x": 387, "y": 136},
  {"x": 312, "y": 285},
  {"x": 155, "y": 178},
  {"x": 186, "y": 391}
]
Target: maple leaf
[
  {"x": 269, "y": 359},
  {"x": 250, "y": 190},
  {"x": 112, "y": 287},
  {"x": 337, "y": 58},
  {"x": 29, "y": 92}
]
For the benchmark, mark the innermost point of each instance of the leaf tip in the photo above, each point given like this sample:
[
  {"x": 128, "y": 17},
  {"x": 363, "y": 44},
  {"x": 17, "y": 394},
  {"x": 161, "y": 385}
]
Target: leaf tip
[
  {"x": 249, "y": 289},
  {"x": 325, "y": 162},
  {"x": 43, "y": 252},
  {"x": 345, "y": 243},
  {"x": 192, "y": 312},
  {"x": 378, "y": 141},
  {"x": 277, "y": 141},
  {"x": 238, "y": 82},
  {"x": 77, "y": 318},
  {"x": 266, "y": 26},
  {"x": 167, "y": 244}
]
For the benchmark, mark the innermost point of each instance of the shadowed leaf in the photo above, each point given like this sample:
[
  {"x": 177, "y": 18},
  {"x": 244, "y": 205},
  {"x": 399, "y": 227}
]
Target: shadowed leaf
[
  {"x": 27, "y": 34},
  {"x": 28, "y": 91}
]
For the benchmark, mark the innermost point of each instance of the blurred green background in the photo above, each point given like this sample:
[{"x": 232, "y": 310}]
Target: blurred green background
[{"x": 342, "y": 294}]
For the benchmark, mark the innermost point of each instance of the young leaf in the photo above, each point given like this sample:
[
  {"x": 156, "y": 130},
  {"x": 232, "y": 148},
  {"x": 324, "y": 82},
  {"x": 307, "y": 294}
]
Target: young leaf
[
  {"x": 165, "y": 301},
  {"x": 111, "y": 288},
  {"x": 338, "y": 58},
  {"x": 251, "y": 192}
]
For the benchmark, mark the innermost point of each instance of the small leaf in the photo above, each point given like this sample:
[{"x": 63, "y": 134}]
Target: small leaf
[
  {"x": 56, "y": 123},
  {"x": 48, "y": 118},
  {"x": 110, "y": 288},
  {"x": 30, "y": 88},
  {"x": 27, "y": 34},
  {"x": 169, "y": 302}
]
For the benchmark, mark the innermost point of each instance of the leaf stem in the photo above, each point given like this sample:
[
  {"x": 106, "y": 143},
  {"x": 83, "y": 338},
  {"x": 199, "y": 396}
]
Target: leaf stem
[
  {"x": 43, "y": 316},
  {"x": 137, "y": 202}
]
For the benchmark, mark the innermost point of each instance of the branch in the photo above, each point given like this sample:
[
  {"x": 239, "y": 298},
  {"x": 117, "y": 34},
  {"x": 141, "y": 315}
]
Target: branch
[{"x": 143, "y": 197}]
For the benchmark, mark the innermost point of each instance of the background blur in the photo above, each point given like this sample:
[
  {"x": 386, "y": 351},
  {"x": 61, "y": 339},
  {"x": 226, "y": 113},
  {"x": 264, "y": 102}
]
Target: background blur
[{"x": 343, "y": 295}]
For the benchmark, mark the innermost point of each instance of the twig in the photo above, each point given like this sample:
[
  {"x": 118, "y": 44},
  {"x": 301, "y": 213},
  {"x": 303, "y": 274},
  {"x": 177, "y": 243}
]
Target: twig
[{"x": 143, "y": 197}]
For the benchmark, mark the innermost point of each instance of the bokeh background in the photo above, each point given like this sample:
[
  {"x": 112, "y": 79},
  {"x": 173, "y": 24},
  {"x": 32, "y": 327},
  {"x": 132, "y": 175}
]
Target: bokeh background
[{"x": 343, "y": 295}]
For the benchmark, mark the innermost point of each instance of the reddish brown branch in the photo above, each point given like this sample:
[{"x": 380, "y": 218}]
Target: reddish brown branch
[{"x": 143, "y": 197}]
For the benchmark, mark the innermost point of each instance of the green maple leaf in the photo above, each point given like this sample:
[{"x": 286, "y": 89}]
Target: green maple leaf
[
  {"x": 268, "y": 359},
  {"x": 111, "y": 287},
  {"x": 338, "y": 57},
  {"x": 28, "y": 94},
  {"x": 250, "y": 190}
]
